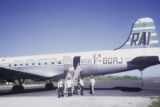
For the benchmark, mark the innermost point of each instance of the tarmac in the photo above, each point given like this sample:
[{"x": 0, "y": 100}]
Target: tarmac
[{"x": 116, "y": 93}]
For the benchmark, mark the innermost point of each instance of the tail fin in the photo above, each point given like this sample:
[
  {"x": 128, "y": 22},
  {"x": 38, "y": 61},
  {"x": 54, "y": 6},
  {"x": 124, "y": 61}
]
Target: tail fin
[{"x": 143, "y": 35}]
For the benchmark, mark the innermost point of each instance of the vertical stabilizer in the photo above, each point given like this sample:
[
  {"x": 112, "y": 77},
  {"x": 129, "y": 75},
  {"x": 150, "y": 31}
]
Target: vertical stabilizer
[{"x": 143, "y": 35}]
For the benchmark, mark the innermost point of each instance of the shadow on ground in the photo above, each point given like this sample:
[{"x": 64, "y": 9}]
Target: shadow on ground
[
  {"x": 125, "y": 89},
  {"x": 128, "y": 89},
  {"x": 25, "y": 91}
]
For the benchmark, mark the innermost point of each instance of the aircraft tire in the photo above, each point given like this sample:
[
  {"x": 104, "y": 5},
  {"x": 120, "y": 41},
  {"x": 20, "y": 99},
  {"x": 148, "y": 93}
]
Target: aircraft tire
[
  {"x": 17, "y": 89},
  {"x": 49, "y": 86}
]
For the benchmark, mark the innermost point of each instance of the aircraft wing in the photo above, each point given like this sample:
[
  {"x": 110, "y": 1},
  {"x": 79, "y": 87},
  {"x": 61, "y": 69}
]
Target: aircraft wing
[{"x": 36, "y": 73}]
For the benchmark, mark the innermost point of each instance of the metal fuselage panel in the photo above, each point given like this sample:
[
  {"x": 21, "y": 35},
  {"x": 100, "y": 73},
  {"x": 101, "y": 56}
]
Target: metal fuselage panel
[{"x": 91, "y": 63}]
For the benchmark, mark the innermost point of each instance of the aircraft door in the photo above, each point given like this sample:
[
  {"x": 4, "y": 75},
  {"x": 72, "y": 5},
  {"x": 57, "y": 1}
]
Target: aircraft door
[{"x": 76, "y": 61}]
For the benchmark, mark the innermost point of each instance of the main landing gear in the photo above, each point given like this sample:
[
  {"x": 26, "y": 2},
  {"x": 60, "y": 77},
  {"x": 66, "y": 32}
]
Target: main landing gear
[
  {"x": 142, "y": 82},
  {"x": 18, "y": 87},
  {"x": 49, "y": 85}
]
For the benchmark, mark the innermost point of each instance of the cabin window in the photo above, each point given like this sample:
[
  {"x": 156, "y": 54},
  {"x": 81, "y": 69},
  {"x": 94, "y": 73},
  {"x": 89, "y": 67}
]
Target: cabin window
[
  {"x": 52, "y": 62},
  {"x": 10, "y": 65},
  {"x": 45, "y": 63},
  {"x": 39, "y": 63},
  {"x": 26, "y": 64},
  {"x": 21, "y": 64},
  {"x": 59, "y": 62},
  {"x": 33, "y": 64},
  {"x": 15, "y": 64}
]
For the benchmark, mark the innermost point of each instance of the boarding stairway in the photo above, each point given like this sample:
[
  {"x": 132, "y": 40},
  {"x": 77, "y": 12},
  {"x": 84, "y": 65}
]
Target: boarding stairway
[
  {"x": 72, "y": 70},
  {"x": 73, "y": 75}
]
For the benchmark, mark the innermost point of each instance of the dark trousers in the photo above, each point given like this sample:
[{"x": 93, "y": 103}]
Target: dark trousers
[
  {"x": 60, "y": 92},
  {"x": 75, "y": 90},
  {"x": 81, "y": 87},
  {"x": 90, "y": 88},
  {"x": 69, "y": 91}
]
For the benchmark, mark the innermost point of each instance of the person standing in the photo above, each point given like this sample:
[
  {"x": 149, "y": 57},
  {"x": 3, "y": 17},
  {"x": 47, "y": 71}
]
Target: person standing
[
  {"x": 92, "y": 84},
  {"x": 60, "y": 88},
  {"x": 69, "y": 87},
  {"x": 75, "y": 86},
  {"x": 81, "y": 83},
  {"x": 76, "y": 79}
]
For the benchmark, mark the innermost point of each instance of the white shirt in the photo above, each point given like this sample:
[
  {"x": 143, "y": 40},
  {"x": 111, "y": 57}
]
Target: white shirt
[
  {"x": 75, "y": 82},
  {"x": 92, "y": 82},
  {"x": 81, "y": 82},
  {"x": 60, "y": 84},
  {"x": 69, "y": 83},
  {"x": 78, "y": 69}
]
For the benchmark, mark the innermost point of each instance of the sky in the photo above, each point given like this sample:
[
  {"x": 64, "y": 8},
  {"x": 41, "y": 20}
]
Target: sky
[{"x": 30, "y": 27}]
